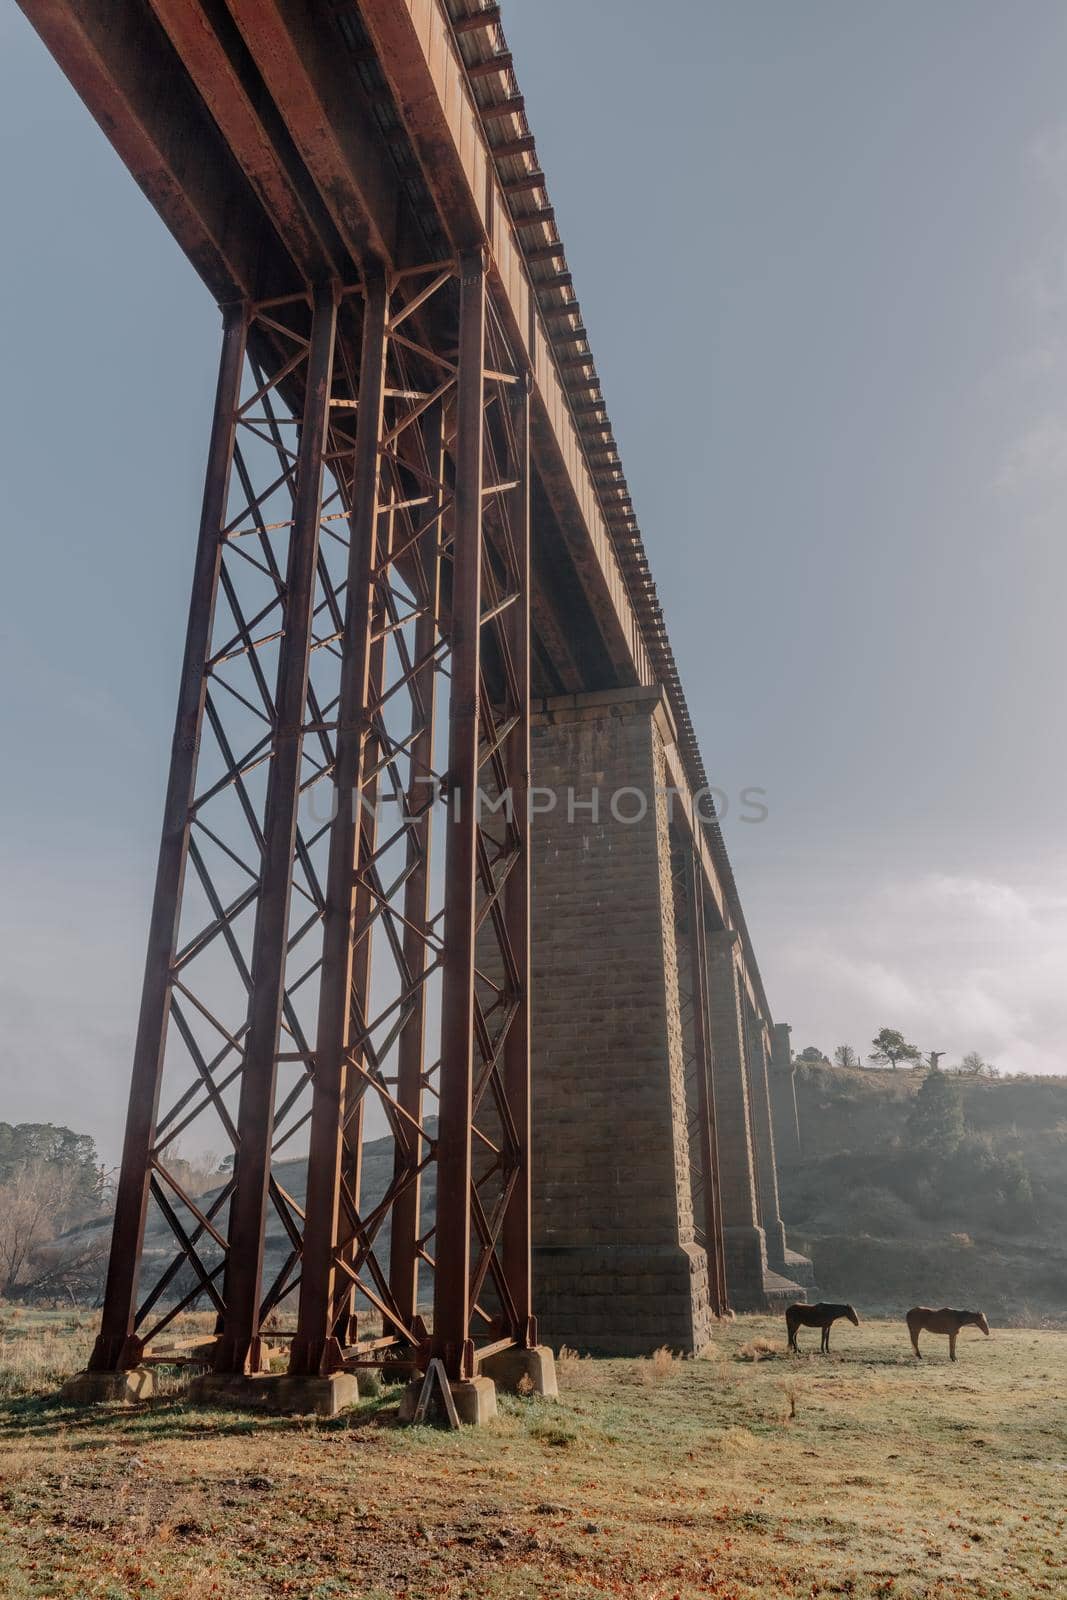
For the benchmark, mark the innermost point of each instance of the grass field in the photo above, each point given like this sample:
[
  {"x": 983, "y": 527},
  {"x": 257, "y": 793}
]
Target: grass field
[{"x": 865, "y": 1474}]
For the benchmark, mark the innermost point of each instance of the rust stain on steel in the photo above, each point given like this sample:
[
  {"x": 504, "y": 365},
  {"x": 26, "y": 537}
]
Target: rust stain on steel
[
  {"x": 299, "y": 60},
  {"x": 133, "y": 84},
  {"x": 216, "y": 77}
]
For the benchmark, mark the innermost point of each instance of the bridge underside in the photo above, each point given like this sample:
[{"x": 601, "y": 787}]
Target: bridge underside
[
  {"x": 218, "y": 112},
  {"x": 416, "y": 554}
]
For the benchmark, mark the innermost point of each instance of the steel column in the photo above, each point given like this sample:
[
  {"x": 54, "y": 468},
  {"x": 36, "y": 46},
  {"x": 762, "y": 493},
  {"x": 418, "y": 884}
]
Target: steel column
[
  {"x": 763, "y": 1139},
  {"x": 366, "y": 797},
  {"x": 116, "y": 1345},
  {"x": 516, "y": 1232},
  {"x": 747, "y": 1047},
  {"x": 404, "y": 1252},
  {"x": 706, "y": 1131},
  {"x": 315, "y": 1347},
  {"x": 451, "y": 1329},
  {"x": 238, "y": 1349}
]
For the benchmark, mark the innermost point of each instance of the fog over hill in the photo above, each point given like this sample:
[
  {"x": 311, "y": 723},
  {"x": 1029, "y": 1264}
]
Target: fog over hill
[
  {"x": 896, "y": 1203},
  {"x": 959, "y": 1198},
  {"x": 159, "y": 1248}
]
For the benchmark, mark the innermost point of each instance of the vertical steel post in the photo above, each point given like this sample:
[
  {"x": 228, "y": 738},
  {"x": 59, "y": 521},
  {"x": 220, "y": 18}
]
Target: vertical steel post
[
  {"x": 315, "y": 1348},
  {"x": 360, "y": 927},
  {"x": 115, "y": 1346},
  {"x": 403, "y": 1246},
  {"x": 238, "y": 1348},
  {"x": 763, "y": 1139},
  {"x": 709, "y": 1150},
  {"x": 451, "y": 1340},
  {"x": 516, "y": 1230},
  {"x": 746, "y": 1064}
]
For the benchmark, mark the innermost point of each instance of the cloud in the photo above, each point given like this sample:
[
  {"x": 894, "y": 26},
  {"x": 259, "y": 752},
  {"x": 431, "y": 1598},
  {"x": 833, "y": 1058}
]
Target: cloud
[
  {"x": 1046, "y": 158},
  {"x": 71, "y": 953},
  {"x": 1041, "y": 285},
  {"x": 939, "y": 895},
  {"x": 1037, "y": 459},
  {"x": 65, "y": 1058},
  {"x": 957, "y": 963}
]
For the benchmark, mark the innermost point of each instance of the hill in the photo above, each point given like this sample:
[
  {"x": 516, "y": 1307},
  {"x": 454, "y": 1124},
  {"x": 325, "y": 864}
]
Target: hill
[
  {"x": 895, "y": 1212},
  {"x": 888, "y": 1220}
]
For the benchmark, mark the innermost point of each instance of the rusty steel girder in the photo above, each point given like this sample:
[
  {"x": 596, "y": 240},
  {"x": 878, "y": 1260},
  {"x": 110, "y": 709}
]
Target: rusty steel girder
[
  {"x": 691, "y": 945},
  {"x": 339, "y": 942}
]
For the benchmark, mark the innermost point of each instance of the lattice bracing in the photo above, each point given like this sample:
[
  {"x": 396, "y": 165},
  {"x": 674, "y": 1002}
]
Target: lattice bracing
[
  {"x": 357, "y": 660},
  {"x": 440, "y": 591}
]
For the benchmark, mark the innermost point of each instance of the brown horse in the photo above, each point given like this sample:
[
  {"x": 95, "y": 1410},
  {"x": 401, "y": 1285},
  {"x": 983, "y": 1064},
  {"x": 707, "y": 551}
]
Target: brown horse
[
  {"x": 921, "y": 1319},
  {"x": 821, "y": 1316}
]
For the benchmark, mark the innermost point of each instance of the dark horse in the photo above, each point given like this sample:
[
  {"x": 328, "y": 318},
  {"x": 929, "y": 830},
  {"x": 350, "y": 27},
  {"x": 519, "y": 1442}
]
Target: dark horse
[
  {"x": 921, "y": 1319},
  {"x": 818, "y": 1316}
]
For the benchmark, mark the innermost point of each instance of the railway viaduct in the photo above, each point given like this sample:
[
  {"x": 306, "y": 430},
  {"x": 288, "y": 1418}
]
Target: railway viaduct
[{"x": 438, "y": 857}]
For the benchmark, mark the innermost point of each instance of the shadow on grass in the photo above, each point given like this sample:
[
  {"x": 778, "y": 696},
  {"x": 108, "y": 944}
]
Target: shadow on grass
[
  {"x": 173, "y": 1417},
  {"x": 841, "y": 1358}
]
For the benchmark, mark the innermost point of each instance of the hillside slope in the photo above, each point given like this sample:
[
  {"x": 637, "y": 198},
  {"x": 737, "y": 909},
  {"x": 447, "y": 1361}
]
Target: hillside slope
[
  {"x": 887, "y": 1222},
  {"x": 893, "y": 1216},
  {"x": 159, "y": 1245}
]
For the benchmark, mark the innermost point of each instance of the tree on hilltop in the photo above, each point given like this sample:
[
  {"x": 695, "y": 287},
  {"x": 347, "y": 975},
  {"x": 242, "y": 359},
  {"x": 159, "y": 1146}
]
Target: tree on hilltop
[
  {"x": 889, "y": 1047},
  {"x": 974, "y": 1065},
  {"x": 845, "y": 1056}
]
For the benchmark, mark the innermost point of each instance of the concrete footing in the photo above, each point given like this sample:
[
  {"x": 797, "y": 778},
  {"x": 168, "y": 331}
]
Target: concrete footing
[
  {"x": 280, "y": 1393},
  {"x": 759, "y": 1282},
  {"x": 746, "y": 1267},
  {"x": 613, "y": 1300},
  {"x": 523, "y": 1371},
  {"x": 475, "y": 1401},
  {"x": 801, "y": 1270},
  {"x": 109, "y": 1388},
  {"x": 779, "y": 1292}
]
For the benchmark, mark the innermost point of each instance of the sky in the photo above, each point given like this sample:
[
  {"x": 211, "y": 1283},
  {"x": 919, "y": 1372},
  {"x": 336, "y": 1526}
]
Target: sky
[{"x": 820, "y": 246}]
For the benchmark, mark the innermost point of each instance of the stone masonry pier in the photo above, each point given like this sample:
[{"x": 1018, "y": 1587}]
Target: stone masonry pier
[{"x": 617, "y": 1268}]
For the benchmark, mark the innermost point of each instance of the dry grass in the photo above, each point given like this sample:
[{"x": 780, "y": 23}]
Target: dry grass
[
  {"x": 37, "y": 1352},
  {"x": 654, "y": 1368},
  {"x": 579, "y": 1372},
  {"x": 789, "y": 1392},
  {"x": 662, "y": 1362},
  {"x": 865, "y": 1474},
  {"x": 760, "y": 1350},
  {"x": 38, "y": 1349}
]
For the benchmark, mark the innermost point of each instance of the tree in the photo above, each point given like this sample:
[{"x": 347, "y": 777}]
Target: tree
[
  {"x": 845, "y": 1056},
  {"x": 974, "y": 1066},
  {"x": 48, "y": 1145},
  {"x": 33, "y": 1203},
  {"x": 811, "y": 1053},
  {"x": 50, "y": 1180},
  {"x": 889, "y": 1047},
  {"x": 935, "y": 1121},
  {"x": 198, "y": 1174}
]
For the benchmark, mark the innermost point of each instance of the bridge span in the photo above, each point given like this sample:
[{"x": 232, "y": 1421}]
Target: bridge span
[{"x": 418, "y": 570}]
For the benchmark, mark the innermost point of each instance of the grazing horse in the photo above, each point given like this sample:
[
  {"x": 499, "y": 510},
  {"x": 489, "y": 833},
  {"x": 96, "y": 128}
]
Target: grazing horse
[
  {"x": 921, "y": 1319},
  {"x": 817, "y": 1316}
]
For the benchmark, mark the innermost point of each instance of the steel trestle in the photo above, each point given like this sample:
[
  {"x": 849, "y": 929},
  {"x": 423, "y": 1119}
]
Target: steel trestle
[{"x": 339, "y": 943}]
